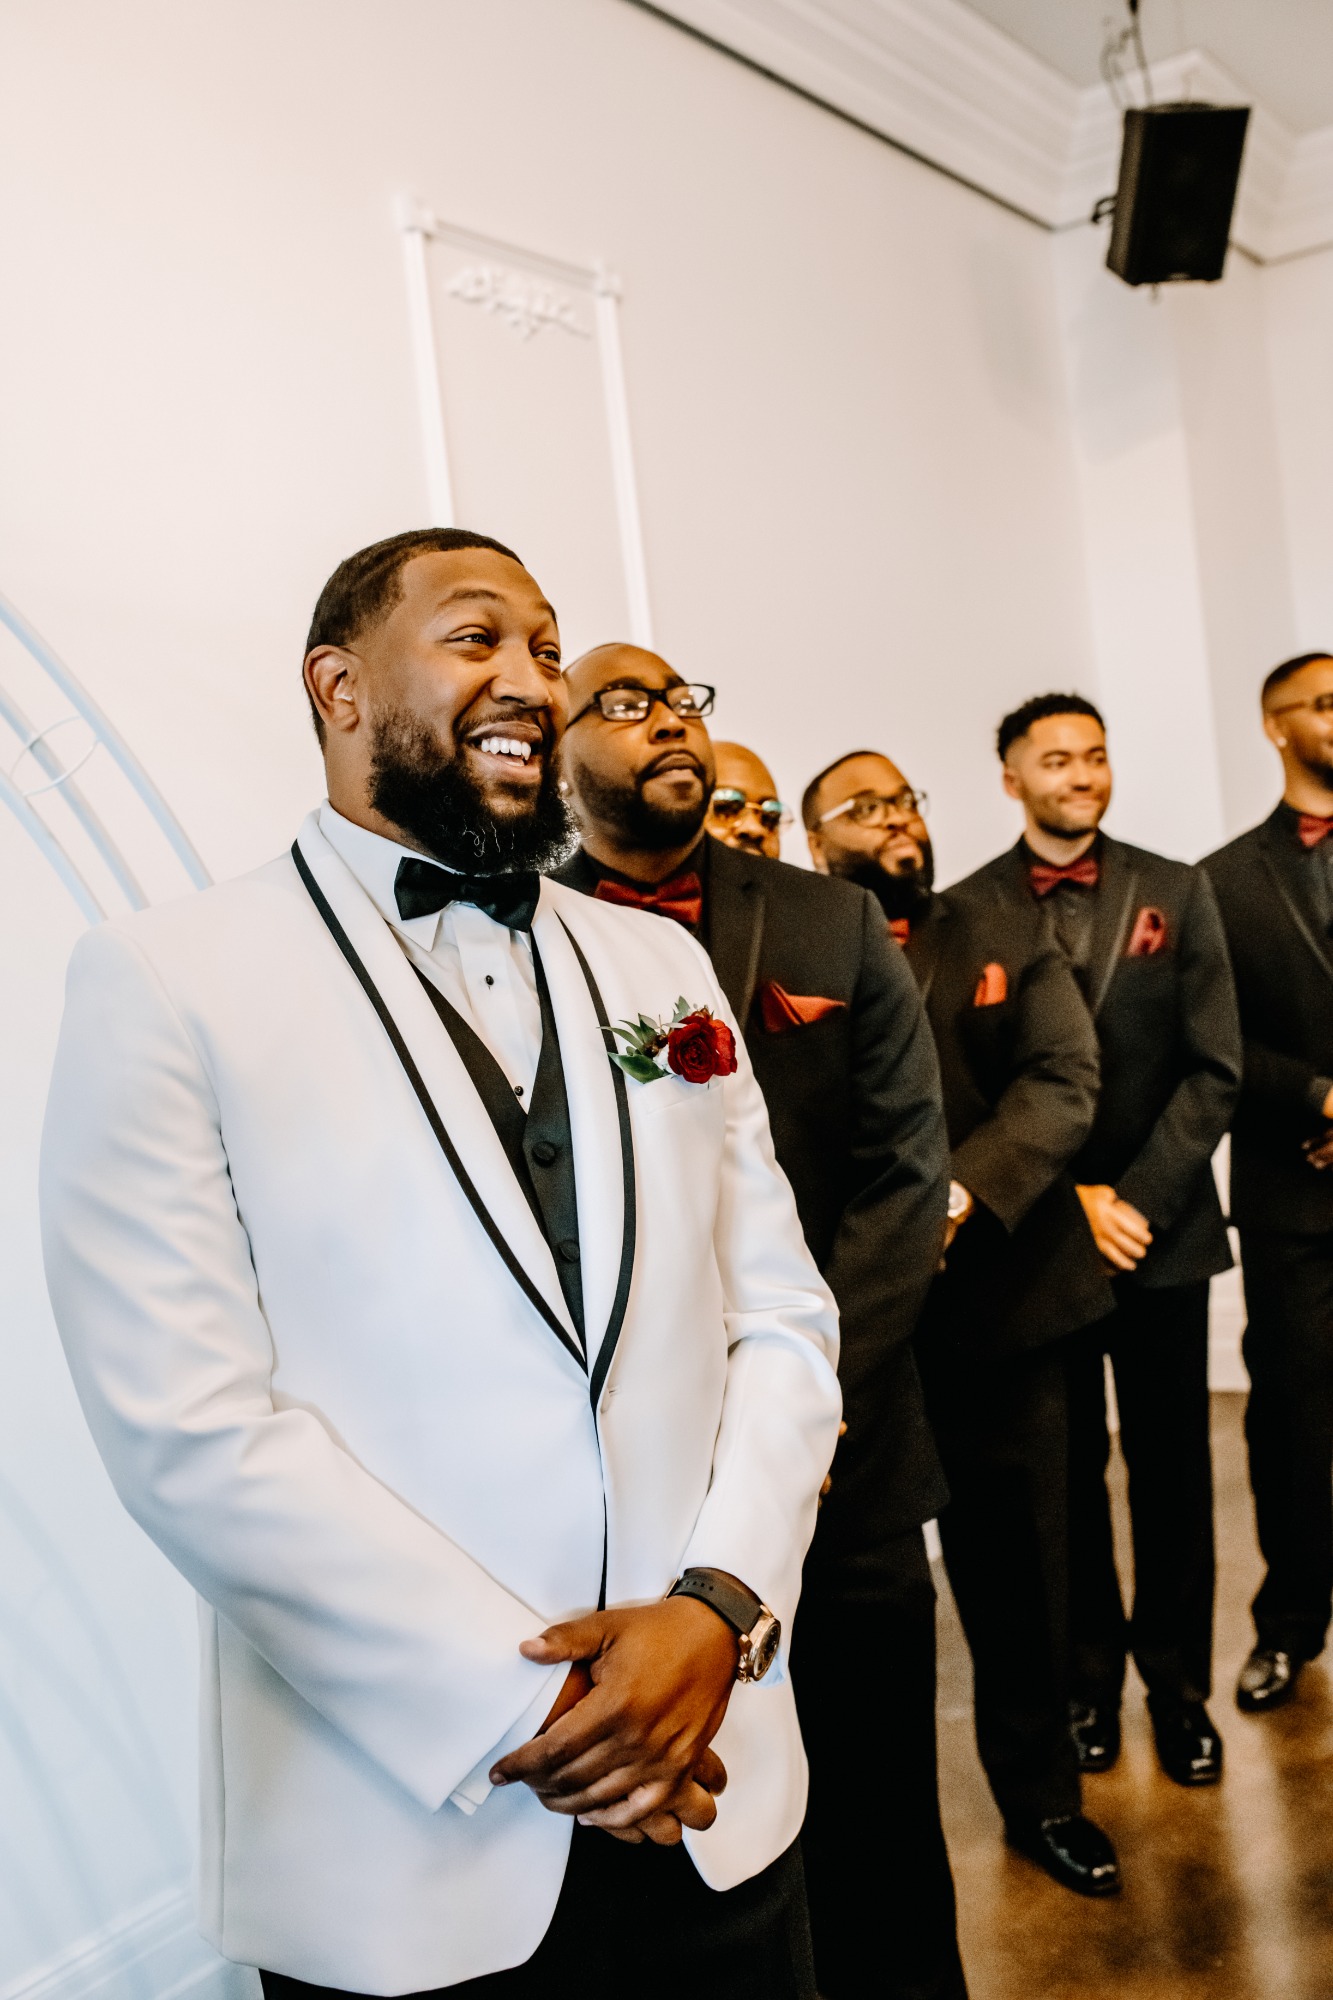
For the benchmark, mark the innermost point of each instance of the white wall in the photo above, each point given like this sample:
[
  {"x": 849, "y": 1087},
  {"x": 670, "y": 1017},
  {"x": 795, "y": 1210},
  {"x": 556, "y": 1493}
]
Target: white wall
[
  {"x": 843, "y": 373},
  {"x": 898, "y": 452}
]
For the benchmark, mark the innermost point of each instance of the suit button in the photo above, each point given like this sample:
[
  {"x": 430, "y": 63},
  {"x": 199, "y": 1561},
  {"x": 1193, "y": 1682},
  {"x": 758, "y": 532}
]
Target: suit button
[
  {"x": 569, "y": 1250},
  {"x": 544, "y": 1152}
]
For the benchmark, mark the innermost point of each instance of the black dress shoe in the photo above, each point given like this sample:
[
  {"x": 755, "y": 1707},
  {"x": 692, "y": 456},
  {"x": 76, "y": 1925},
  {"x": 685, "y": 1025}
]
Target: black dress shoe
[
  {"x": 1188, "y": 1746},
  {"x": 1096, "y": 1734},
  {"x": 1267, "y": 1679},
  {"x": 1073, "y": 1851}
]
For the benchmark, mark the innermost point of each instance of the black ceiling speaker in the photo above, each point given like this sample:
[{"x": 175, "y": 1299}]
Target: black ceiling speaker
[{"x": 1179, "y": 166}]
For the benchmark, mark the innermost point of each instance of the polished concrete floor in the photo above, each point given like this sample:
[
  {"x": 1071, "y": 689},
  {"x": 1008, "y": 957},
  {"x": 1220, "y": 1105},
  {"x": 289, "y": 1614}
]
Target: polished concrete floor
[{"x": 1228, "y": 1892}]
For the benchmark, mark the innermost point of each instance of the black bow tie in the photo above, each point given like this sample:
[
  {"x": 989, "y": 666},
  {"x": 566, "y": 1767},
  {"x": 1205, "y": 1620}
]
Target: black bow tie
[{"x": 420, "y": 889}]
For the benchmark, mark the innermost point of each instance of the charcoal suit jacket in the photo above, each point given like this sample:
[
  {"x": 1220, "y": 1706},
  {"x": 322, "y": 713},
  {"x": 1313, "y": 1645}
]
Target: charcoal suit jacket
[
  {"x": 1159, "y": 988},
  {"x": 1283, "y": 960},
  {"x": 854, "y": 1104},
  {"x": 1018, "y": 1063}
]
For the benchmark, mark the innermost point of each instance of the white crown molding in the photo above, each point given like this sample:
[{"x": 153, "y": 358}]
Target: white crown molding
[
  {"x": 928, "y": 74},
  {"x": 152, "y": 1952},
  {"x": 934, "y": 77}
]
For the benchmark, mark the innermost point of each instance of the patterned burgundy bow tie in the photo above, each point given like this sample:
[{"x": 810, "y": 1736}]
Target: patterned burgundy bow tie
[
  {"x": 681, "y": 897},
  {"x": 1311, "y": 829},
  {"x": 1085, "y": 873}
]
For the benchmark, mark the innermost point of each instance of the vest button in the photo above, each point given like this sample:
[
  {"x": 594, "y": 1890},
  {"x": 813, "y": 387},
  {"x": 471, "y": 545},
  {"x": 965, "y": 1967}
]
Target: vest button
[
  {"x": 569, "y": 1250},
  {"x": 544, "y": 1152}
]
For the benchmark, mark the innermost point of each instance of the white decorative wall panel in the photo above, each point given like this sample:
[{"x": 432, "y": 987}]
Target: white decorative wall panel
[{"x": 524, "y": 418}]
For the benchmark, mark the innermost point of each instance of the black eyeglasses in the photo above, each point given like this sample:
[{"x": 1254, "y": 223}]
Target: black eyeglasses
[
  {"x": 727, "y": 803},
  {"x": 689, "y": 700}
]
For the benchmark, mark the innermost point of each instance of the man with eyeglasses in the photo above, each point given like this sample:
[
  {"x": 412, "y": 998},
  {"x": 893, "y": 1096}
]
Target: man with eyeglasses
[
  {"x": 840, "y": 1048},
  {"x": 1018, "y": 1060},
  {"x": 1275, "y": 889},
  {"x": 745, "y": 811}
]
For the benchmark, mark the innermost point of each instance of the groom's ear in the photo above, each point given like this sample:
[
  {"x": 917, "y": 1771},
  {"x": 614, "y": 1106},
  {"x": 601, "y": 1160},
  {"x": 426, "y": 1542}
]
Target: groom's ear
[{"x": 334, "y": 678}]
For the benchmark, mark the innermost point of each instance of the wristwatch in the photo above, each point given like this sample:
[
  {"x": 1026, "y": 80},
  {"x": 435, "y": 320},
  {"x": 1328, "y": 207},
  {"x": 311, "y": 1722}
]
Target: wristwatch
[{"x": 748, "y": 1616}]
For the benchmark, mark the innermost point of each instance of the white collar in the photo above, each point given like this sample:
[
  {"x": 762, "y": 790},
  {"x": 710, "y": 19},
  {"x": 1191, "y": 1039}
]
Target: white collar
[{"x": 374, "y": 862}]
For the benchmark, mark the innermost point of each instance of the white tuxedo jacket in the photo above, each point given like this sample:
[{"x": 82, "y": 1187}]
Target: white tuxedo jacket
[{"x": 319, "y": 1388}]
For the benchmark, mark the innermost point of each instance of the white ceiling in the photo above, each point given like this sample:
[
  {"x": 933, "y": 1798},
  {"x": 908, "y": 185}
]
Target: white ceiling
[{"x": 1282, "y": 50}]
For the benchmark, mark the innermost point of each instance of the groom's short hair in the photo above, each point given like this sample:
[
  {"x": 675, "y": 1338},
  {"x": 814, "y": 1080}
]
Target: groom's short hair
[{"x": 365, "y": 587}]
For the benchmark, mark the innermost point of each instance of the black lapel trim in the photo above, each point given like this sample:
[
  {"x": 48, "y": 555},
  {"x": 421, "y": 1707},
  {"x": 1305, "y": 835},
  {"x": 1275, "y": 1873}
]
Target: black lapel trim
[
  {"x": 627, "y": 1242},
  {"x": 1112, "y": 936},
  {"x": 414, "y": 1077},
  {"x": 1294, "y": 910}
]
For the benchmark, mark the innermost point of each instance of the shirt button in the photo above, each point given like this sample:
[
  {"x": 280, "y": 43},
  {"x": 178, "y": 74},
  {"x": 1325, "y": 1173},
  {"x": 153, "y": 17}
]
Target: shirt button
[
  {"x": 544, "y": 1152},
  {"x": 490, "y": 979},
  {"x": 569, "y": 1250},
  {"x": 518, "y": 1090}
]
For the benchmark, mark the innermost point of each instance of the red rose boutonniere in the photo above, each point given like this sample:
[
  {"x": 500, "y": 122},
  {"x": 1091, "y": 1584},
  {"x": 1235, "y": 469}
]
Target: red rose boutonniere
[{"x": 693, "y": 1045}]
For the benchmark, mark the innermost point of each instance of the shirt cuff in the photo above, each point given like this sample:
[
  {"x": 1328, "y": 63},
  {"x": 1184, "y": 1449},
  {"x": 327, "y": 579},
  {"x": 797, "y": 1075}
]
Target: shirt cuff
[{"x": 476, "y": 1788}]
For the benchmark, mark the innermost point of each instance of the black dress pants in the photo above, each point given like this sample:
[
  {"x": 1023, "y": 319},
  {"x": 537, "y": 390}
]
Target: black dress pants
[
  {"x": 1002, "y": 1429},
  {"x": 1157, "y": 1339},
  {"x": 641, "y": 1921},
  {"x": 881, "y": 1891},
  {"x": 1288, "y": 1351}
]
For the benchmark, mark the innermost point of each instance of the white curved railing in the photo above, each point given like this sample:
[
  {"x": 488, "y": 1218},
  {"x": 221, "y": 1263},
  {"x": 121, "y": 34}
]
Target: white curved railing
[{"x": 54, "y": 809}]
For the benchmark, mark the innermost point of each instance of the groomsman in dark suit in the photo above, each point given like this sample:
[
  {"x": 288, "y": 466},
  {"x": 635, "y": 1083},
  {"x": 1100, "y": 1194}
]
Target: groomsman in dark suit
[
  {"x": 1144, "y": 940},
  {"x": 840, "y": 1047},
  {"x": 1018, "y": 1061},
  {"x": 1275, "y": 889}
]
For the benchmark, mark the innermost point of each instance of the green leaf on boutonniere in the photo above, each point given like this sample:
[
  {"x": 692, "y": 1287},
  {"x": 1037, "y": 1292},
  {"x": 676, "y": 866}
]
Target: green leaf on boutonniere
[{"x": 641, "y": 1068}]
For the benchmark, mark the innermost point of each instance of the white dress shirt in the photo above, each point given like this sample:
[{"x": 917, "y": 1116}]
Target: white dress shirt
[{"x": 482, "y": 968}]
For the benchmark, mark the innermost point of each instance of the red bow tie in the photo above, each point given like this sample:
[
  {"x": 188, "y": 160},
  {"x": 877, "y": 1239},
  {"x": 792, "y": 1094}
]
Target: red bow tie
[
  {"x": 1311, "y": 829},
  {"x": 1085, "y": 873},
  {"x": 901, "y": 929},
  {"x": 682, "y": 897}
]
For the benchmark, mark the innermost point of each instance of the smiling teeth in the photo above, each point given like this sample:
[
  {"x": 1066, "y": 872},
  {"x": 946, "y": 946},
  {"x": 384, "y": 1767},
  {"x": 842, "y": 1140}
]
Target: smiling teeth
[{"x": 505, "y": 746}]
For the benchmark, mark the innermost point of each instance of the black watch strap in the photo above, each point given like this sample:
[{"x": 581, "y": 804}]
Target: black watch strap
[{"x": 731, "y": 1600}]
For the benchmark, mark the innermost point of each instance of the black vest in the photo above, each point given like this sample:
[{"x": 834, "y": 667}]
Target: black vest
[{"x": 538, "y": 1142}]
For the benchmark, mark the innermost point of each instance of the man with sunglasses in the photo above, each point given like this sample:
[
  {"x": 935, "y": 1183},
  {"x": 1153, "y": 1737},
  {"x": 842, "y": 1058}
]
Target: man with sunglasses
[
  {"x": 745, "y": 811},
  {"x": 1018, "y": 1060},
  {"x": 1275, "y": 889},
  {"x": 841, "y": 1051}
]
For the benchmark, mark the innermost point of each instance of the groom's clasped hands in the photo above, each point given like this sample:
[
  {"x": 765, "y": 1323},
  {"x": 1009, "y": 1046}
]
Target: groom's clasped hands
[{"x": 626, "y": 1744}]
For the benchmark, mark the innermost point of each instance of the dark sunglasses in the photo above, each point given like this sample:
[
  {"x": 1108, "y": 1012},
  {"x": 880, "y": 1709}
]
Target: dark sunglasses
[{"x": 727, "y": 803}]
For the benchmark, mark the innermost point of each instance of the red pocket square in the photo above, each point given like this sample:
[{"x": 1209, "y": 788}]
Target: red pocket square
[
  {"x": 992, "y": 987},
  {"x": 780, "y": 1010},
  {"x": 1149, "y": 935}
]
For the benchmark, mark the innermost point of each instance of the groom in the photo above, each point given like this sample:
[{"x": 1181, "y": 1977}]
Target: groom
[{"x": 482, "y": 1390}]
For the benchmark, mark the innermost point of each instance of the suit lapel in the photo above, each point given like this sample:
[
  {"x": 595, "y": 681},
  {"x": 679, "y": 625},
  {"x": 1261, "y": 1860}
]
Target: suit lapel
[
  {"x": 603, "y": 1177},
  {"x": 923, "y": 947},
  {"x": 736, "y": 910},
  {"x": 1111, "y": 923},
  {"x": 1283, "y": 865},
  {"x": 460, "y": 1118}
]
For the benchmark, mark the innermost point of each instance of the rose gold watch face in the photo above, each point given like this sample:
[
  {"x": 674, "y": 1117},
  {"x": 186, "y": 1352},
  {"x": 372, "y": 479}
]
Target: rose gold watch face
[{"x": 764, "y": 1642}]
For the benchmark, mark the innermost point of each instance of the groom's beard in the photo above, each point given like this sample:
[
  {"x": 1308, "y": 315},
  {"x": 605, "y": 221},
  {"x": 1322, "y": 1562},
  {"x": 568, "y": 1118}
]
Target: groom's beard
[
  {"x": 428, "y": 792},
  {"x": 901, "y": 895}
]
